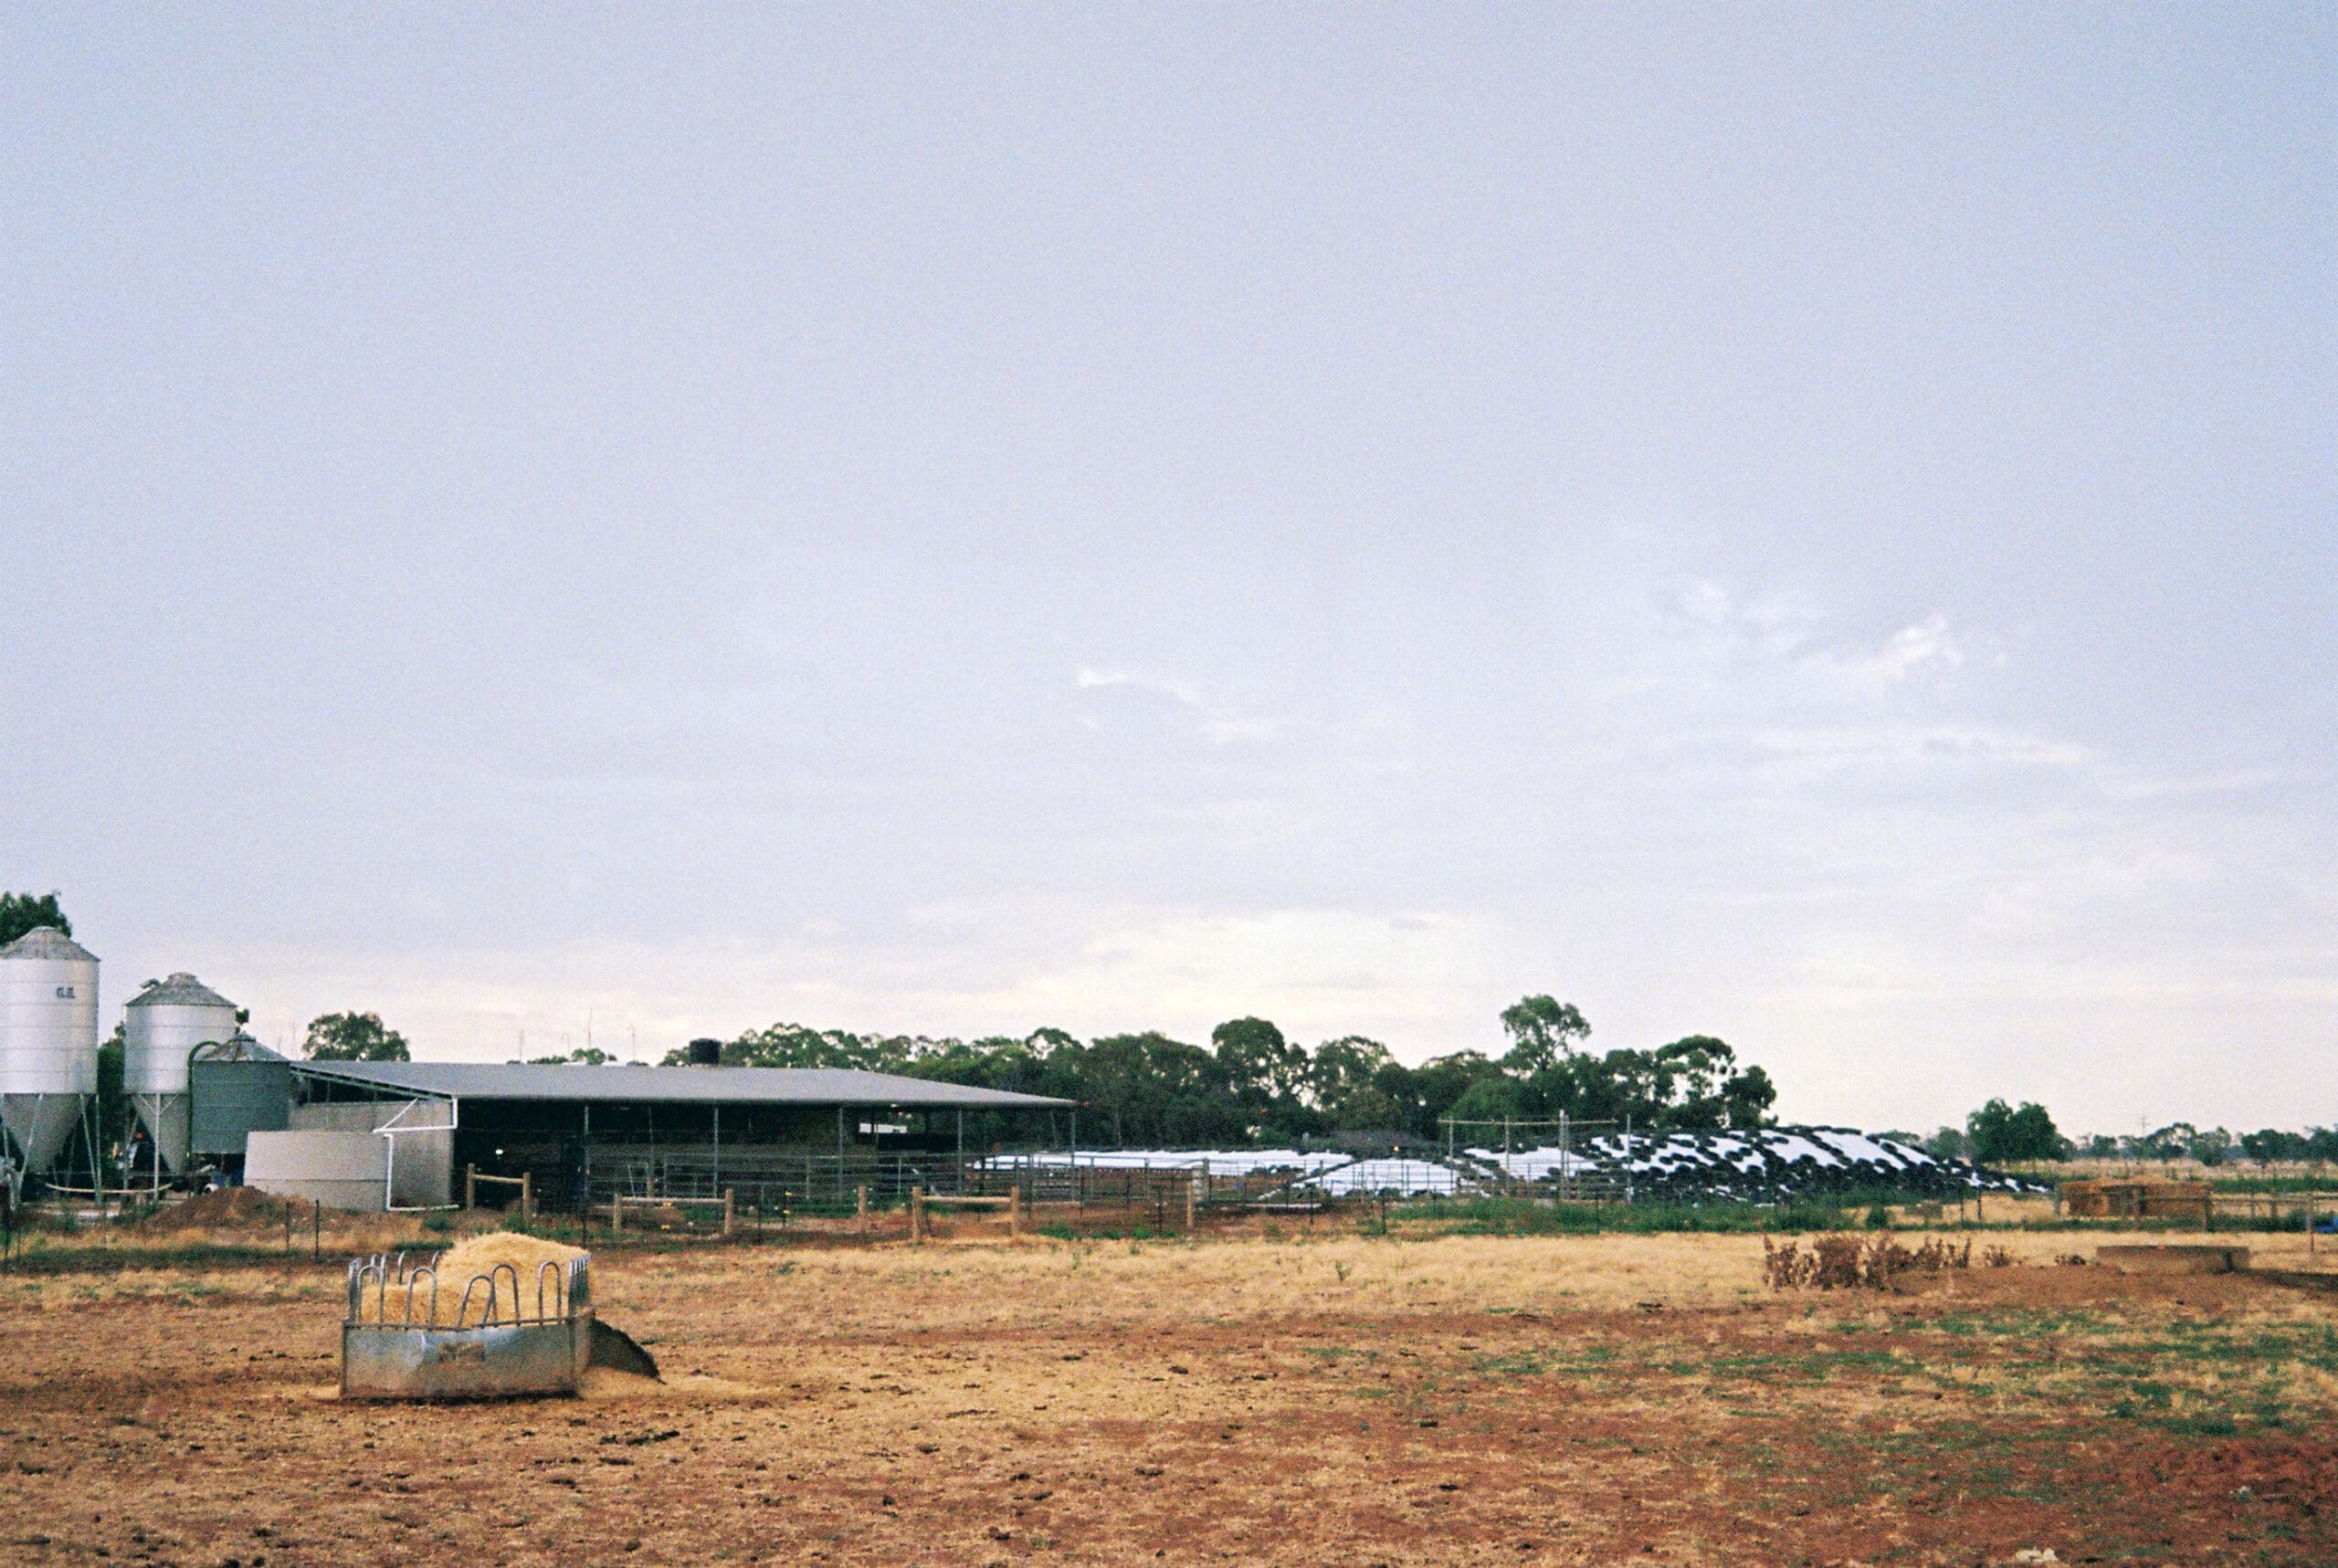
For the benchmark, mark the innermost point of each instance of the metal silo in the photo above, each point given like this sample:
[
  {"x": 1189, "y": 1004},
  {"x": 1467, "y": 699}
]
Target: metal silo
[
  {"x": 160, "y": 1025},
  {"x": 236, "y": 1088},
  {"x": 48, "y": 1040}
]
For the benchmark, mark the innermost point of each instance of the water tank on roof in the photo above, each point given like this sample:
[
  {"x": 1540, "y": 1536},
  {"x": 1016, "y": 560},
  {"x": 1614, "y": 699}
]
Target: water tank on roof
[
  {"x": 160, "y": 1026},
  {"x": 48, "y": 1040},
  {"x": 705, "y": 1053}
]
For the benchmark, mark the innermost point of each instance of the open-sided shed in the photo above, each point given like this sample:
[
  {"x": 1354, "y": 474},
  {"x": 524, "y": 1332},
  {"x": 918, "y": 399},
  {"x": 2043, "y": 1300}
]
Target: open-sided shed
[{"x": 582, "y": 1132}]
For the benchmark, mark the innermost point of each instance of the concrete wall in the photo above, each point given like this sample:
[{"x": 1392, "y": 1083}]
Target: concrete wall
[
  {"x": 425, "y": 1144},
  {"x": 341, "y": 1170}
]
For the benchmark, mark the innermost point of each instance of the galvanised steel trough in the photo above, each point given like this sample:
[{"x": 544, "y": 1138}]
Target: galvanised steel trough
[{"x": 502, "y": 1343}]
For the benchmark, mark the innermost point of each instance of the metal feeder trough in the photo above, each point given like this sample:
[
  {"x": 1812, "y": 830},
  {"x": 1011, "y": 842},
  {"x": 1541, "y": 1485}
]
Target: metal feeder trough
[{"x": 499, "y": 1346}]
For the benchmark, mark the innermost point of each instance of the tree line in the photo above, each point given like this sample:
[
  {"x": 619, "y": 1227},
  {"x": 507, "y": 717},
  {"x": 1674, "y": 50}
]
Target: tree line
[
  {"x": 1997, "y": 1133},
  {"x": 1252, "y": 1083}
]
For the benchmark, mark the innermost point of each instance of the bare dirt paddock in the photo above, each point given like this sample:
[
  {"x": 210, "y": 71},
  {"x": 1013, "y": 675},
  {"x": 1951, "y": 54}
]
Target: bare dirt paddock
[{"x": 1333, "y": 1401}]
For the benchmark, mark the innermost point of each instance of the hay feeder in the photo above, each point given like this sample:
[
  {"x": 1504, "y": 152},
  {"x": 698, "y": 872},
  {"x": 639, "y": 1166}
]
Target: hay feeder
[{"x": 501, "y": 1335}]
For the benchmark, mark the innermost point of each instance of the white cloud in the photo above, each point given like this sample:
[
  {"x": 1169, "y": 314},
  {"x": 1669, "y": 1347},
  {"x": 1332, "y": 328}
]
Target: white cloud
[
  {"x": 1790, "y": 629},
  {"x": 1218, "y": 721},
  {"x": 1178, "y": 691}
]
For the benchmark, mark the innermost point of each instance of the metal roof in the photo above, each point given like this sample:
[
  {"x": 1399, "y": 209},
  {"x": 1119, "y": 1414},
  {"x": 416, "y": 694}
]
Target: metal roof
[
  {"x": 238, "y": 1048},
  {"x": 697, "y": 1085},
  {"x": 181, "y": 989},
  {"x": 45, "y": 941}
]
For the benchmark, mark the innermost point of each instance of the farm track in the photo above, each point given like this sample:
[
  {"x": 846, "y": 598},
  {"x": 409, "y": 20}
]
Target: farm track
[{"x": 1339, "y": 1402}]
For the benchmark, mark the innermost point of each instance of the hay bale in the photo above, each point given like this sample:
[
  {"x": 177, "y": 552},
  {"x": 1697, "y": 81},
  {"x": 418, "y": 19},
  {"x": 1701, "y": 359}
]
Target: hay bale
[
  {"x": 526, "y": 1254},
  {"x": 478, "y": 1257}
]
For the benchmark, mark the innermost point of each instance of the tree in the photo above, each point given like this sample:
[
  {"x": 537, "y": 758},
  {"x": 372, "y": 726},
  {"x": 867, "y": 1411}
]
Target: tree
[
  {"x": 21, "y": 912},
  {"x": 1543, "y": 1032},
  {"x": 1358, "y": 1087},
  {"x": 352, "y": 1038},
  {"x": 1999, "y": 1133},
  {"x": 1259, "y": 1065},
  {"x": 2210, "y": 1146},
  {"x": 2268, "y": 1144},
  {"x": 1948, "y": 1143},
  {"x": 1747, "y": 1096},
  {"x": 1494, "y": 1097}
]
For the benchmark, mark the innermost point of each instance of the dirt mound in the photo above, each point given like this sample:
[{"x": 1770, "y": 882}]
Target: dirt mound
[{"x": 228, "y": 1208}]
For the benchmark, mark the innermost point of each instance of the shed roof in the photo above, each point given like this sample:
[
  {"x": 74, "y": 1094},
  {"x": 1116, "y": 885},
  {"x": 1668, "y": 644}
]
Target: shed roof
[{"x": 697, "y": 1085}]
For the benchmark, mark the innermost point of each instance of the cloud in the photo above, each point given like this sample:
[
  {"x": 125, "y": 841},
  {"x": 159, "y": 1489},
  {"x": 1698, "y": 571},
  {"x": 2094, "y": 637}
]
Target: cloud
[
  {"x": 1826, "y": 748},
  {"x": 1184, "y": 692},
  {"x": 1218, "y": 721},
  {"x": 1789, "y": 629}
]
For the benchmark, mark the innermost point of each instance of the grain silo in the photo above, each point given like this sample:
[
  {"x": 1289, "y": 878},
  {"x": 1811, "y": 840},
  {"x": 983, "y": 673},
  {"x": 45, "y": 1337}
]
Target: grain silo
[
  {"x": 160, "y": 1028},
  {"x": 48, "y": 1040}
]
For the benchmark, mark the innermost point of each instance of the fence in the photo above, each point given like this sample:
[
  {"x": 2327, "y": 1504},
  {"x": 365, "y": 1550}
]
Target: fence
[{"x": 1162, "y": 1192}]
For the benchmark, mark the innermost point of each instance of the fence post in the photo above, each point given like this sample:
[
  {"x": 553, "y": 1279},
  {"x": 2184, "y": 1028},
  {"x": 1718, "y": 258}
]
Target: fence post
[
  {"x": 527, "y": 1199},
  {"x": 1193, "y": 1181},
  {"x": 730, "y": 1210},
  {"x": 1014, "y": 1213},
  {"x": 860, "y": 1209},
  {"x": 616, "y": 1215},
  {"x": 917, "y": 1215},
  {"x": 470, "y": 1188},
  {"x": 316, "y": 1230}
]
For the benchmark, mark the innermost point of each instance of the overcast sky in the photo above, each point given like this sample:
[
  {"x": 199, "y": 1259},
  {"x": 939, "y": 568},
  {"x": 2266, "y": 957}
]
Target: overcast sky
[{"x": 1815, "y": 527}]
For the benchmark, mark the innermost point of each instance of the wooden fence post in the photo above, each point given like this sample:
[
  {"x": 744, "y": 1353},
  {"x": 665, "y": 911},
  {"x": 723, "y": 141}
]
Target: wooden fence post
[
  {"x": 470, "y": 1187},
  {"x": 616, "y": 1215},
  {"x": 730, "y": 1210},
  {"x": 917, "y": 1215},
  {"x": 527, "y": 1198},
  {"x": 1014, "y": 1213},
  {"x": 1192, "y": 1182},
  {"x": 860, "y": 1209}
]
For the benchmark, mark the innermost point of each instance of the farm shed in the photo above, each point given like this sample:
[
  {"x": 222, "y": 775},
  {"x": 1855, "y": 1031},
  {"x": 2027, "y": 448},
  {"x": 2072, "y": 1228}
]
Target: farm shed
[{"x": 581, "y": 1133}]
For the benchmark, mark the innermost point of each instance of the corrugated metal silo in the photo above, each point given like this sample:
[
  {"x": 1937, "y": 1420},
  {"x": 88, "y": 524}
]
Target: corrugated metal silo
[
  {"x": 160, "y": 1026},
  {"x": 235, "y": 1089},
  {"x": 48, "y": 1040}
]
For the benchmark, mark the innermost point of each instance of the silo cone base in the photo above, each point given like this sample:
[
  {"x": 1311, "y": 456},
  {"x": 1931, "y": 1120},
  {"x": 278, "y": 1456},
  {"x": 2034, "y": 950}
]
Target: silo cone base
[
  {"x": 42, "y": 1124},
  {"x": 164, "y": 1117}
]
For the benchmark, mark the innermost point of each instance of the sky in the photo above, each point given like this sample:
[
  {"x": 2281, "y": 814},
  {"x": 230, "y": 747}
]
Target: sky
[{"x": 1813, "y": 525}]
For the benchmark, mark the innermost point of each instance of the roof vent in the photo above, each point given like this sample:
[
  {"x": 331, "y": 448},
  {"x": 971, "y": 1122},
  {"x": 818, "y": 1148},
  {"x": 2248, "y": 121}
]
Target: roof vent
[{"x": 706, "y": 1053}]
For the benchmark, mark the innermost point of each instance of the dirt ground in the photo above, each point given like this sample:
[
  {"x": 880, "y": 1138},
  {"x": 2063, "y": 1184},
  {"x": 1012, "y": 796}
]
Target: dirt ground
[{"x": 1324, "y": 1399}]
